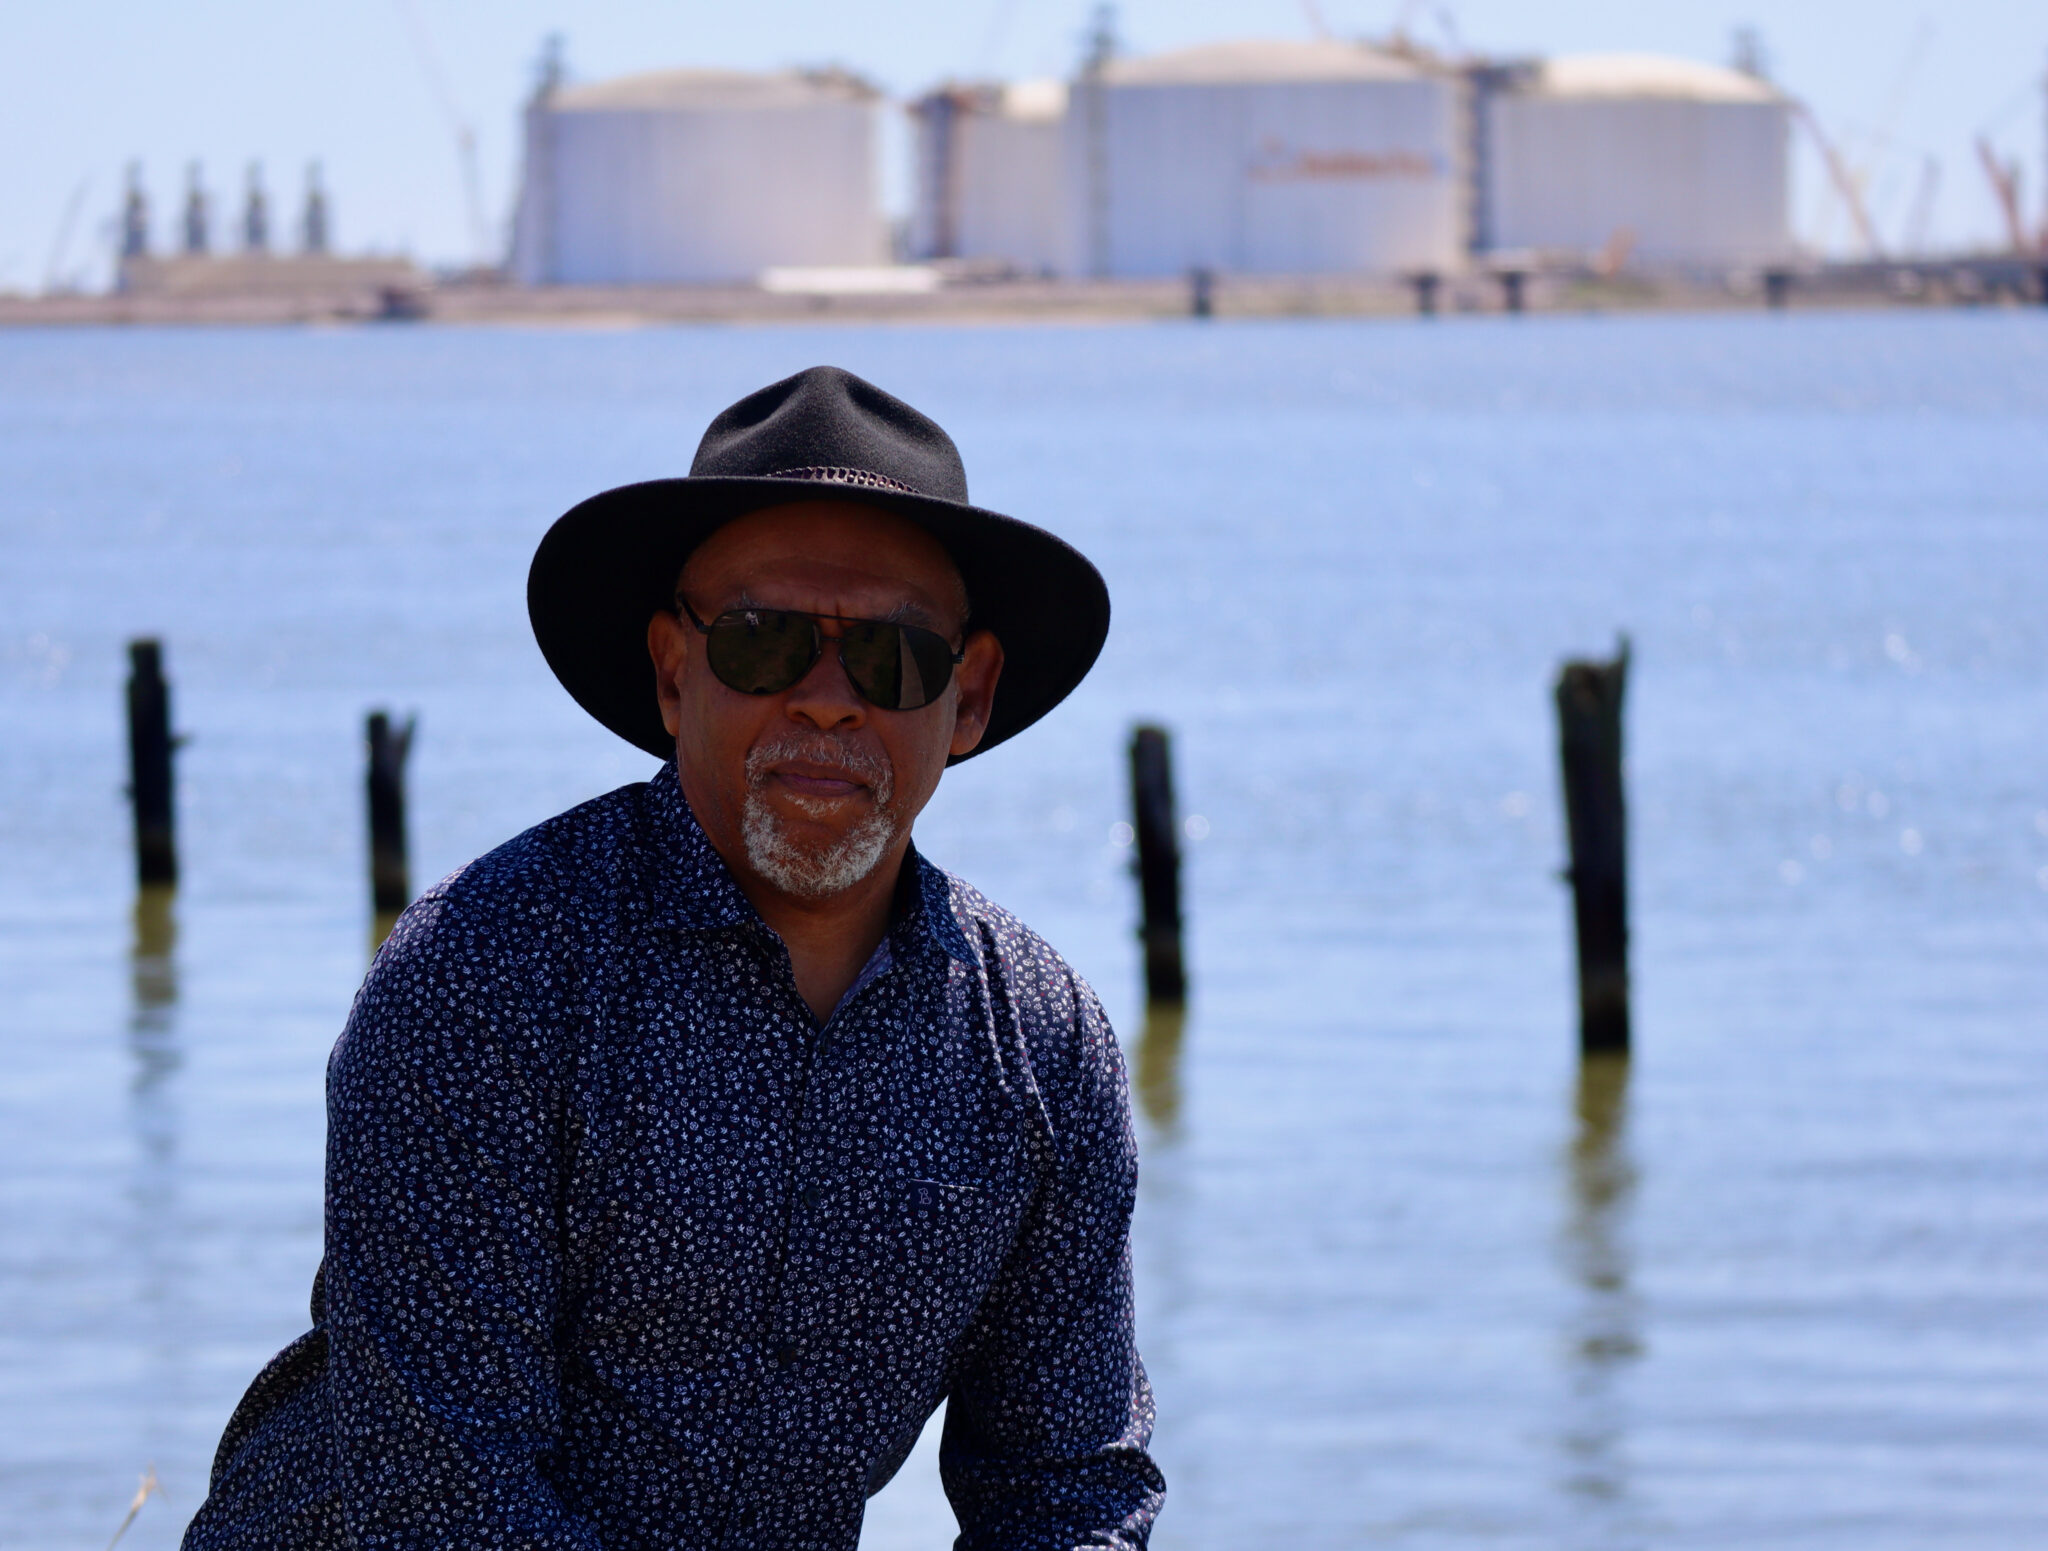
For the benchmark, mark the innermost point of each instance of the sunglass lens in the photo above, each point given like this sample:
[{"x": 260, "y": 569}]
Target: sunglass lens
[
  {"x": 928, "y": 662},
  {"x": 897, "y": 667},
  {"x": 873, "y": 657},
  {"x": 762, "y": 651}
]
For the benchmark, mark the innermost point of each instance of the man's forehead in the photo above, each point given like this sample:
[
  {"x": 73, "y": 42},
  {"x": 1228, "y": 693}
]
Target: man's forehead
[{"x": 833, "y": 546}]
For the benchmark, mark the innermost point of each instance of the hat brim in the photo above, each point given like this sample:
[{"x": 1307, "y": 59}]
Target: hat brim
[{"x": 610, "y": 563}]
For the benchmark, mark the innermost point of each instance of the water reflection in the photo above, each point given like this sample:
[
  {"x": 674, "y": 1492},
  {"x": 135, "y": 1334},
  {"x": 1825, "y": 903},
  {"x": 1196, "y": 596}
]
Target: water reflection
[
  {"x": 1604, "y": 1335},
  {"x": 1158, "y": 1066},
  {"x": 156, "y": 1055},
  {"x": 152, "y": 1029}
]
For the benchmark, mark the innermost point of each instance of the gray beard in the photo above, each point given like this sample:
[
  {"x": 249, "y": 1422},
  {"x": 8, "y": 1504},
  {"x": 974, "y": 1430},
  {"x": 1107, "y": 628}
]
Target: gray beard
[{"x": 816, "y": 871}]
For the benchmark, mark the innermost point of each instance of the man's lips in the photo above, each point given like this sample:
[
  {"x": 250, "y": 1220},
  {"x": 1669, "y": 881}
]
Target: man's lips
[{"x": 817, "y": 780}]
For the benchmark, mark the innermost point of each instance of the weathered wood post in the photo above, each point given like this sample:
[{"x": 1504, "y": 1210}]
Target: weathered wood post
[
  {"x": 1514, "y": 285},
  {"x": 390, "y": 884},
  {"x": 1158, "y": 866},
  {"x": 150, "y": 746},
  {"x": 1425, "y": 284},
  {"x": 1777, "y": 288},
  {"x": 1589, "y": 696},
  {"x": 1201, "y": 293}
]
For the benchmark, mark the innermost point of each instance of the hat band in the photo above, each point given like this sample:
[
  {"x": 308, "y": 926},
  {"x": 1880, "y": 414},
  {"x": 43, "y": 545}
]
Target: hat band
[{"x": 831, "y": 475}]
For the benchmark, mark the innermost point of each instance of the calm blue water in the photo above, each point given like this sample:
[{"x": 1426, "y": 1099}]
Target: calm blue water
[{"x": 1404, "y": 1280}]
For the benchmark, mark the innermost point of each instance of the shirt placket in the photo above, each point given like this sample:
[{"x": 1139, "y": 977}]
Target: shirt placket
[{"x": 768, "y": 1506}]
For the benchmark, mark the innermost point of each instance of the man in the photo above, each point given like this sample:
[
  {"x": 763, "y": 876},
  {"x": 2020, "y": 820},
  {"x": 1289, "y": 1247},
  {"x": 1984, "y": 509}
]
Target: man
[{"x": 686, "y": 1152}]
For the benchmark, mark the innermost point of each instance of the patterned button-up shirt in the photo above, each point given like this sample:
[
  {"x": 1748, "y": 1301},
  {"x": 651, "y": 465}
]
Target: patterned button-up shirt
[{"x": 623, "y": 1250}]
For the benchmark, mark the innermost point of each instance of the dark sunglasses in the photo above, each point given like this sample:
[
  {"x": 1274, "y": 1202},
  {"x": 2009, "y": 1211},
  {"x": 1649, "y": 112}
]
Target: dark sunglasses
[{"x": 765, "y": 651}]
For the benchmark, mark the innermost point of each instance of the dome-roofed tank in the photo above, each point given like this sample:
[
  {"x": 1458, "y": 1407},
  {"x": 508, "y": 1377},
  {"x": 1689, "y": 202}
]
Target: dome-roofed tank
[
  {"x": 1263, "y": 156},
  {"x": 1667, "y": 160},
  {"x": 698, "y": 175}
]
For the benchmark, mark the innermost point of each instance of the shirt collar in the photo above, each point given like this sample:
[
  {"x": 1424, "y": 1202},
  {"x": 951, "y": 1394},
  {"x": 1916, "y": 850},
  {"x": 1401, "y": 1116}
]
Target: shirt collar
[
  {"x": 930, "y": 915},
  {"x": 689, "y": 887}
]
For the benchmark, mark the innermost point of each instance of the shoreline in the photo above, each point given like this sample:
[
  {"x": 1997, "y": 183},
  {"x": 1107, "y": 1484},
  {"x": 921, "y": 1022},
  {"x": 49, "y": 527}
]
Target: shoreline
[{"x": 1966, "y": 283}]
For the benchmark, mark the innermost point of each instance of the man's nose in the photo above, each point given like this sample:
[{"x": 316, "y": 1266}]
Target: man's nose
[{"x": 825, "y": 697}]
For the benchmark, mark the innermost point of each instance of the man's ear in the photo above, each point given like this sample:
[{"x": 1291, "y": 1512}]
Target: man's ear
[
  {"x": 668, "y": 644},
  {"x": 980, "y": 667}
]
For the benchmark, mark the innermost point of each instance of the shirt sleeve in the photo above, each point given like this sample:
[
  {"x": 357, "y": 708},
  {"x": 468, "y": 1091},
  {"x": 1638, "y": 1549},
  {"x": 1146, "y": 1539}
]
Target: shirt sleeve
[
  {"x": 444, "y": 1273},
  {"x": 1050, "y": 1415}
]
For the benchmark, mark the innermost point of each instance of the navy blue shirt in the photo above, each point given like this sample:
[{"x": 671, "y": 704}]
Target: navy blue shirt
[{"x": 623, "y": 1250}]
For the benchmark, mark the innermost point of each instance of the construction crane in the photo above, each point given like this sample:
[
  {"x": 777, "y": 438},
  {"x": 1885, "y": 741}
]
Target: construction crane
[
  {"x": 1920, "y": 220},
  {"x": 1844, "y": 181},
  {"x": 2004, "y": 175},
  {"x": 480, "y": 244},
  {"x": 2005, "y": 183}
]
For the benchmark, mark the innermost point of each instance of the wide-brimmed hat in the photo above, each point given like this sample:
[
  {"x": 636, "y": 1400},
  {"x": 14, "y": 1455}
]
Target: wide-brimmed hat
[{"x": 608, "y": 564}]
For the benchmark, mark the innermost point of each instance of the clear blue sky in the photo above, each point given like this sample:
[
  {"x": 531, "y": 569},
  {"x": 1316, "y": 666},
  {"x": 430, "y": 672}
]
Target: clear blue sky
[{"x": 87, "y": 84}]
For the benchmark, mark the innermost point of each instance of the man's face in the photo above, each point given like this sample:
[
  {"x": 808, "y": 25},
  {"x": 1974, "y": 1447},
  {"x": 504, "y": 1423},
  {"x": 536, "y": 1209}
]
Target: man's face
[{"x": 809, "y": 791}]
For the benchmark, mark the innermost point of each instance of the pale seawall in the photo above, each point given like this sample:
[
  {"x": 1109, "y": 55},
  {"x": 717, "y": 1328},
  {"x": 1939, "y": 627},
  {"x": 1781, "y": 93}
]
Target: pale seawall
[{"x": 397, "y": 291}]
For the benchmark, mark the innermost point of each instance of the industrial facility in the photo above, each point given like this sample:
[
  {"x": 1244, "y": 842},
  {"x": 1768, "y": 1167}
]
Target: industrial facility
[
  {"x": 1260, "y": 157},
  {"x": 1308, "y": 175},
  {"x": 310, "y": 277},
  {"x": 697, "y": 176},
  {"x": 1321, "y": 157},
  {"x": 1630, "y": 155}
]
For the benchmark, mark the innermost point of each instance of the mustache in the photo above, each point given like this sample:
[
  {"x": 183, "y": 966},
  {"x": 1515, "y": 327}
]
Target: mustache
[{"x": 856, "y": 763}]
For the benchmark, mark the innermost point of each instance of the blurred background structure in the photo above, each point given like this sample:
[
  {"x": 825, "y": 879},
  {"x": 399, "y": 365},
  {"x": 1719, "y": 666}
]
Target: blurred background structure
[
  {"x": 1356, "y": 158},
  {"x": 1633, "y": 157},
  {"x": 692, "y": 176}
]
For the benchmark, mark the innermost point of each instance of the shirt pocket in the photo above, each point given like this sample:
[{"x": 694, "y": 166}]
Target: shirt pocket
[{"x": 947, "y": 1238}]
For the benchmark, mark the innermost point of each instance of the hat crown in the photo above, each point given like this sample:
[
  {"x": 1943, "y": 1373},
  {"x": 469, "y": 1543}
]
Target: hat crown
[{"x": 827, "y": 425}]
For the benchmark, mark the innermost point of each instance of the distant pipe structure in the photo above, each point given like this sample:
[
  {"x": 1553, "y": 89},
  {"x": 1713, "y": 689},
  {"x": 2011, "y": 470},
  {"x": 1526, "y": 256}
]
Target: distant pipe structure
[
  {"x": 195, "y": 221},
  {"x": 134, "y": 215},
  {"x": 1095, "y": 108},
  {"x": 313, "y": 235},
  {"x": 256, "y": 213}
]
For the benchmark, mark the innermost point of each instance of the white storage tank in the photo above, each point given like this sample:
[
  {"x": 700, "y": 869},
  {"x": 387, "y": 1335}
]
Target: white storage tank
[
  {"x": 1664, "y": 160},
  {"x": 1265, "y": 157},
  {"x": 698, "y": 176},
  {"x": 989, "y": 175}
]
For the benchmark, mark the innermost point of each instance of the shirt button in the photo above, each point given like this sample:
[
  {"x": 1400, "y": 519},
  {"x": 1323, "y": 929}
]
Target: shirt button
[
  {"x": 812, "y": 1196},
  {"x": 785, "y": 1355}
]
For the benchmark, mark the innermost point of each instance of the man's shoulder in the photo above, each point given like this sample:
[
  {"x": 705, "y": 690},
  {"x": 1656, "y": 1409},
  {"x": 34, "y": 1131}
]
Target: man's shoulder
[
  {"x": 560, "y": 866},
  {"x": 1050, "y": 997},
  {"x": 495, "y": 937},
  {"x": 1067, "y": 1041}
]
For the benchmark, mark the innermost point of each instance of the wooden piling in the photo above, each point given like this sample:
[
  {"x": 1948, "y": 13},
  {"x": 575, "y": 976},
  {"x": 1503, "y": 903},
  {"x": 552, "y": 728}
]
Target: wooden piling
[
  {"x": 1589, "y": 697},
  {"x": 1425, "y": 284},
  {"x": 1514, "y": 287},
  {"x": 150, "y": 746},
  {"x": 1777, "y": 289},
  {"x": 390, "y": 882},
  {"x": 1201, "y": 293},
  {"x": 1158, "y": 866}
]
